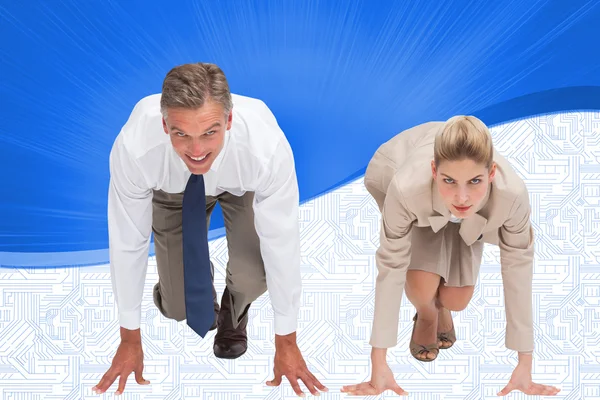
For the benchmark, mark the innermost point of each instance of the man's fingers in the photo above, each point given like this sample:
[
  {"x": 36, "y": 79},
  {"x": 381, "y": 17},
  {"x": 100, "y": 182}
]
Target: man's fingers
[
  {"x": 295, "y": 385},
  {"x": 317, "y": 383},
  {"x": 139, "y": 378},
  {"x": 122, "y": 382},
  {"x": 276, "y": 381},
  {"x": 107, "y": 380},
  {"x": 309, "y": 382}
]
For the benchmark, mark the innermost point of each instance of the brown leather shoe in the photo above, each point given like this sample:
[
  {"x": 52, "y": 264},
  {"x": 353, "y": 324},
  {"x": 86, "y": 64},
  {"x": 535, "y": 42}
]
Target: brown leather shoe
[{"x": 230, "y": 342}]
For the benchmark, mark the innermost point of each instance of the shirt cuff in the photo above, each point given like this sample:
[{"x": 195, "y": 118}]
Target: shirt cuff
[
  {"x": 284, "y": 324},
  {"x": 130, "y": 319}
]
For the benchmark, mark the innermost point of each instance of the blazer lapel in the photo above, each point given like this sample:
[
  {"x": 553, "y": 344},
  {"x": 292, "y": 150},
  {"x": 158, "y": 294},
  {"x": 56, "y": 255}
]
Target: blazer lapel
[
  {"x": 471, "y": 228},
  {"x": 437, "y": 204},
  {"x": 437, "y": 222}
]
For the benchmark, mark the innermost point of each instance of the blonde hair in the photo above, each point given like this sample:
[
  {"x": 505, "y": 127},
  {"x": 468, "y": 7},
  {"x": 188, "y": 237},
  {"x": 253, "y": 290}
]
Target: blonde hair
[
  {"x": 464, "y": 137},
  {"x": 192, "y": 85}
]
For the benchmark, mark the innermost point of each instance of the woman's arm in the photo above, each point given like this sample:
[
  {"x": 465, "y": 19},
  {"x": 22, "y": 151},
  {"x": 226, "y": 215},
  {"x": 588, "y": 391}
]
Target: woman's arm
[
  {"x": 516, "y": 244},
  {"x": 516, "y": 257},
  {"x": 392, "y": 258}
]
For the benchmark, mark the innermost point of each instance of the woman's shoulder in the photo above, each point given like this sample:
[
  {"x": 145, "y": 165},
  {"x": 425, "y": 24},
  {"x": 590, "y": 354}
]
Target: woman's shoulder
[
  {"x": 412, "y": 185},
  {"x": 507, "y": 183},
  {"x": 400, "y": 147}
]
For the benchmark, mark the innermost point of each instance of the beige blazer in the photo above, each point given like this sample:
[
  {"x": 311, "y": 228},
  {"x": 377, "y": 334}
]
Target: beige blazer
[{"x": 399, "y": 178}]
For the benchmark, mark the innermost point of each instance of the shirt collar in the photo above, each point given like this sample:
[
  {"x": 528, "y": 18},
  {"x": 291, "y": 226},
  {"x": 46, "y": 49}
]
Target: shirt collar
[{"x": 215, "y": 165}]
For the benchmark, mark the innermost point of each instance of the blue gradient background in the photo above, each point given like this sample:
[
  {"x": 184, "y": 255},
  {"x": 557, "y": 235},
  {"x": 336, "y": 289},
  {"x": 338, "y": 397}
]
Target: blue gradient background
[{"x": 341, "y": 77}]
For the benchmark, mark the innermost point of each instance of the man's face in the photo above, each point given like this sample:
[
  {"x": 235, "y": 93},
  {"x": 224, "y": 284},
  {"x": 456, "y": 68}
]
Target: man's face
[{"x": 197, "y": 135}]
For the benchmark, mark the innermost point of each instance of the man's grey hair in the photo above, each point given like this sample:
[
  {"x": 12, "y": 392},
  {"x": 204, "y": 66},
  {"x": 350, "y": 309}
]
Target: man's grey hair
[{"x": 192, "y": 85}]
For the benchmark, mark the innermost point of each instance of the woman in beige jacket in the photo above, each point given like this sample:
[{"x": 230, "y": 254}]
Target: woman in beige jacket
[{"x": 443, "y": 192}]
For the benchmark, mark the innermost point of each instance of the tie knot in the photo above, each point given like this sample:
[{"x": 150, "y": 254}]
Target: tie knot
[{"x": 195, "y": 178}]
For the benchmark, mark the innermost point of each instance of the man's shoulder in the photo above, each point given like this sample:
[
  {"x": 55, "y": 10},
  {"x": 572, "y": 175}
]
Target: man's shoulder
[
  {"x": 147, "y": 107},
  {"x": 255, "y": 114},
  {"x": 143, "y": 130},
  {"x": 247, "y": 102},
  {"x": 254, "y": 128}
]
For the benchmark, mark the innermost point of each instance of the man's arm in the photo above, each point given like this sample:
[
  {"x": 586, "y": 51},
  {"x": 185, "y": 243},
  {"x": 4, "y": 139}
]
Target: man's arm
[
  {"x": 276, "y": 220},
  {"x": 516, "y": 257},
  {"x": 129, "y": 228}
]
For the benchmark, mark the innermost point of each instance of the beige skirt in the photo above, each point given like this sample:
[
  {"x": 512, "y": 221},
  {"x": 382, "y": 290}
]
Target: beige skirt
[{"x": 445, "y": 253}]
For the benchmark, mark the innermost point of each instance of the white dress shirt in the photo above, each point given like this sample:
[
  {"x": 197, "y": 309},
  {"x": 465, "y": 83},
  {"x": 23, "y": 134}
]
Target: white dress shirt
[
  {"x": 455, "y": 219},
  {"x": 256, "y": 157}
]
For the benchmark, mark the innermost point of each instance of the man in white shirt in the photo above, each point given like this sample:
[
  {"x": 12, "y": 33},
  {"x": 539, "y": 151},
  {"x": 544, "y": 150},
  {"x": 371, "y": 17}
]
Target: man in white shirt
[{"x": 189, "y": 147}]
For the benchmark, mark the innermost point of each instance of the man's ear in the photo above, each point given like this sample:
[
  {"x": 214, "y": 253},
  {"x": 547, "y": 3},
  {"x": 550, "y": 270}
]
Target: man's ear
[
  {"x": 164, "y": 123},
  {"x": 229, "y": 119}
]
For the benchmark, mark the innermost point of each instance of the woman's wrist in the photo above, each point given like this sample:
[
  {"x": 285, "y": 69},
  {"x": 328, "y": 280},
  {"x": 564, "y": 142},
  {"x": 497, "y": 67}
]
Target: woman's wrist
[
  {"x": 526, "y": 357},
  {"x": 378, "y": 356}
]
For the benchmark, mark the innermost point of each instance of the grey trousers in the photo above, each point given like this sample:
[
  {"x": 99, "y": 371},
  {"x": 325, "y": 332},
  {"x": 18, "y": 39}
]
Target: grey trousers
[{"x": 245, "y": 270}]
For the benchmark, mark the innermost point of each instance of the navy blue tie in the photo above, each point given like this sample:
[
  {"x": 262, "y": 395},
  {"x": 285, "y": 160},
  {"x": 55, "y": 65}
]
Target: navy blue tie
[{"x": 199, "y": 305}]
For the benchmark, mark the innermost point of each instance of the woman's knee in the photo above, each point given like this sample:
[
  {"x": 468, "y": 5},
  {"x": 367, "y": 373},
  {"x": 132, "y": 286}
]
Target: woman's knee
[
  {"x": 421, "y": 287},
  {"x": 455, "y": 298}
]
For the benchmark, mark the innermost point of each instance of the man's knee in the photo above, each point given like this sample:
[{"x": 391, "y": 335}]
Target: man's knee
[
  {"x": 251, "y": 283},
  {"x": 176, "y": 314},
  {"x": 171, "y": 305}
]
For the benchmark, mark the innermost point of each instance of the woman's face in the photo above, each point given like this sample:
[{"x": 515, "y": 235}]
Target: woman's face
[{"x": 463, "y": 185}]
